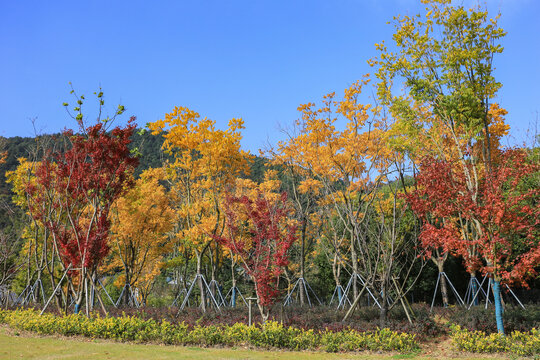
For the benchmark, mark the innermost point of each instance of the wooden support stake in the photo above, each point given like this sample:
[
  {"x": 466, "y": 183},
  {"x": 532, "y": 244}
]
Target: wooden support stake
[
  {"x": 399, "y": 294},
  {"x": 353, "y": 306}
]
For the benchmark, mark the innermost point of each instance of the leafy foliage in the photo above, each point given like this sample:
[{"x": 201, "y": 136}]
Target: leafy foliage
[
  {"x": 519, "y": 343},
  {"x": 505, "y": 219},
  {"x": 140, "y": 220},
  {"x": 268, "y": 335},
  {"x": 87, "y": 178},
  {"x": 260, "y": 236}
]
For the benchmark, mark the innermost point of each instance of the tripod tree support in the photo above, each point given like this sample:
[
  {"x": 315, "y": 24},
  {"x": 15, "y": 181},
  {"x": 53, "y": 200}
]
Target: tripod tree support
[
  {"x": 301, "y": 282},
  {"x": 55, "y": 290},
  {"x": 206, "y": 287},
  {"x": 355, "y": 276},
  {"x": 441, "y": 274}
]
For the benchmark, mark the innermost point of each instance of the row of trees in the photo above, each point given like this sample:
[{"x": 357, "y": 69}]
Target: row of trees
[{"x": 378, "y": 188}]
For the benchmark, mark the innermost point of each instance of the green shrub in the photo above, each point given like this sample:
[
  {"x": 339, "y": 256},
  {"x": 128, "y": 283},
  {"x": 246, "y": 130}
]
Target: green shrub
[
  {"x": 269, "y": 335},
  {"x": 352, "y": 340},
  {"x": 237, "y": 334},
  {"x": 173, "y": 334},
  {"x": 304, "y": 340},
  {"x": 519, "y": 343}
]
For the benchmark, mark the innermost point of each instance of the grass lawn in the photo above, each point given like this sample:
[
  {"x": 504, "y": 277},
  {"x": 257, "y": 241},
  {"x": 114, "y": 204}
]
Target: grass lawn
[{"x": 28, "y": 346}]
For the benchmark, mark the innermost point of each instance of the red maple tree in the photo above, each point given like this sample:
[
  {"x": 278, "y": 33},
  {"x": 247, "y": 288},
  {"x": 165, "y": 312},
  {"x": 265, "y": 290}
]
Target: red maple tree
[
  {"x": 81, "y": 184},
  {"x": 495, "y": 226},
  {"x": 260, "y": 237},
  {"x": 501, "y": 217}
]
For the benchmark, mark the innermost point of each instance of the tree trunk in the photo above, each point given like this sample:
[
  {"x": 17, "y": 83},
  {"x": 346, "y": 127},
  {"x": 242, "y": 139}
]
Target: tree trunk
[
  {"x": 59, "y": 297},
  {"x": 302, "y": 265},
  {"x": 37, "y": 289},
  {"x": 80, "y": 291},
  {"x": 213, "y": 262},
  {"x": 442, "y": 280},
  {"x": 336, "y": 271},
  {"x": 354, "y": 271},
  {"x": 184, "y": 276},
  {"x": 264, "y": 310},
  {"x": 474, "y": 289},
  {"x": 383, "y": 314},
  {"x": 233, "y": 290},
  {"x": 92, "y": 290},
  {"x": 127, "y": 289},
  {"x": 498, "y": 305},
  {"x": 200, "y": 282}
]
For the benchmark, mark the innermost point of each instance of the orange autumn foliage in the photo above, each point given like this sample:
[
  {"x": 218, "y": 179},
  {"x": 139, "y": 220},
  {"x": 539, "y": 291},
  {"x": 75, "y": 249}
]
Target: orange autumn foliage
[{"x": 141, "y": 219}]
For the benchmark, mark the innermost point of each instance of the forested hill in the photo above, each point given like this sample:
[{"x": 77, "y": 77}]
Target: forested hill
[{"x": 148, "y": 147}]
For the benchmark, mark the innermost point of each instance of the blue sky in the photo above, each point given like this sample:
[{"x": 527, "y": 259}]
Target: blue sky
[{"x": 252, "y": 59}]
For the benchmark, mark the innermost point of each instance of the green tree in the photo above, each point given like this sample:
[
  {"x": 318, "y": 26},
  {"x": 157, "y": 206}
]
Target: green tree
[{"x": 444, "y": 62}]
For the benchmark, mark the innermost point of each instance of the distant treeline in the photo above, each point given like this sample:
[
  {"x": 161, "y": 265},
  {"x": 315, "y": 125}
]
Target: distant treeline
[{"x": 147, "y": 146}]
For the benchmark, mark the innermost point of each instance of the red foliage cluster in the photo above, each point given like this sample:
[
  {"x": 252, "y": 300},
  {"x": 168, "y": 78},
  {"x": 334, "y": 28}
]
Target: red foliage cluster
[
  {"x": 499, "y": 218},
  {"x": 80, "y": 184},
  {"x": 261, "y": 238}
]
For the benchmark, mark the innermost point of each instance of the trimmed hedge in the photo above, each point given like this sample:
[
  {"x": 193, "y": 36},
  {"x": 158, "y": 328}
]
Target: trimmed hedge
[
  {"x": 269, "y": 335},
  {"x": 519, "y": 343}
]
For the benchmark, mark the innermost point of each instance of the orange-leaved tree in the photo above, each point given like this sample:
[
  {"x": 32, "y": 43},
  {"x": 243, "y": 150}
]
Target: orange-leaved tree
[
  {"x": 304, "y": 192},
  {"x": 140, "y": 221},
  {"x": 341, "y": 163},
  {"x": 205, "y": 162}
]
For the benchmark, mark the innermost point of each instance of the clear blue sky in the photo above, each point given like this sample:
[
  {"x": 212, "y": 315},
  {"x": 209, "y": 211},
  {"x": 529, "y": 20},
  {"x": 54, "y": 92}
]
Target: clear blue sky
[{"x": 252, "y": 59}]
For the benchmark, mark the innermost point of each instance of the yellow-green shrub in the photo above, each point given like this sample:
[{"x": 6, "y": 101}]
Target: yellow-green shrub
[
  {"x": 351, "y": 340},
  {"x": 519, "y": 343},
  {"x": 268, "y": 335}
]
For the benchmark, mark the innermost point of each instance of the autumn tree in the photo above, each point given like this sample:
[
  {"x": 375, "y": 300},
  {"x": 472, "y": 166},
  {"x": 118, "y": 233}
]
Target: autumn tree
[
  {"x": 342, "y": 162},
  {"x": 86, "y": 179},
  {"x": 140, "y": 220},
  {"x": 304, "y": 193},
  {"x": 260, "y": 235},
  {"x": 205, "y": 162},
  {"x": 38, "y": 246},
  {"x": 503, "y": 211},
  {"x": 443, "y": 60},
  {"x": 269, "y": 189}
]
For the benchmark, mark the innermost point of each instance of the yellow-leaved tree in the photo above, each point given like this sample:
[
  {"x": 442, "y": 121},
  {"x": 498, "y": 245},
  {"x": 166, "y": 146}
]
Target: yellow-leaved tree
[
  {"x": 40, "y": 246},
  {"x": 205, "y": 163},
  {"x": 342, "y": 158},
  {"x": 141, "y": 219}
]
